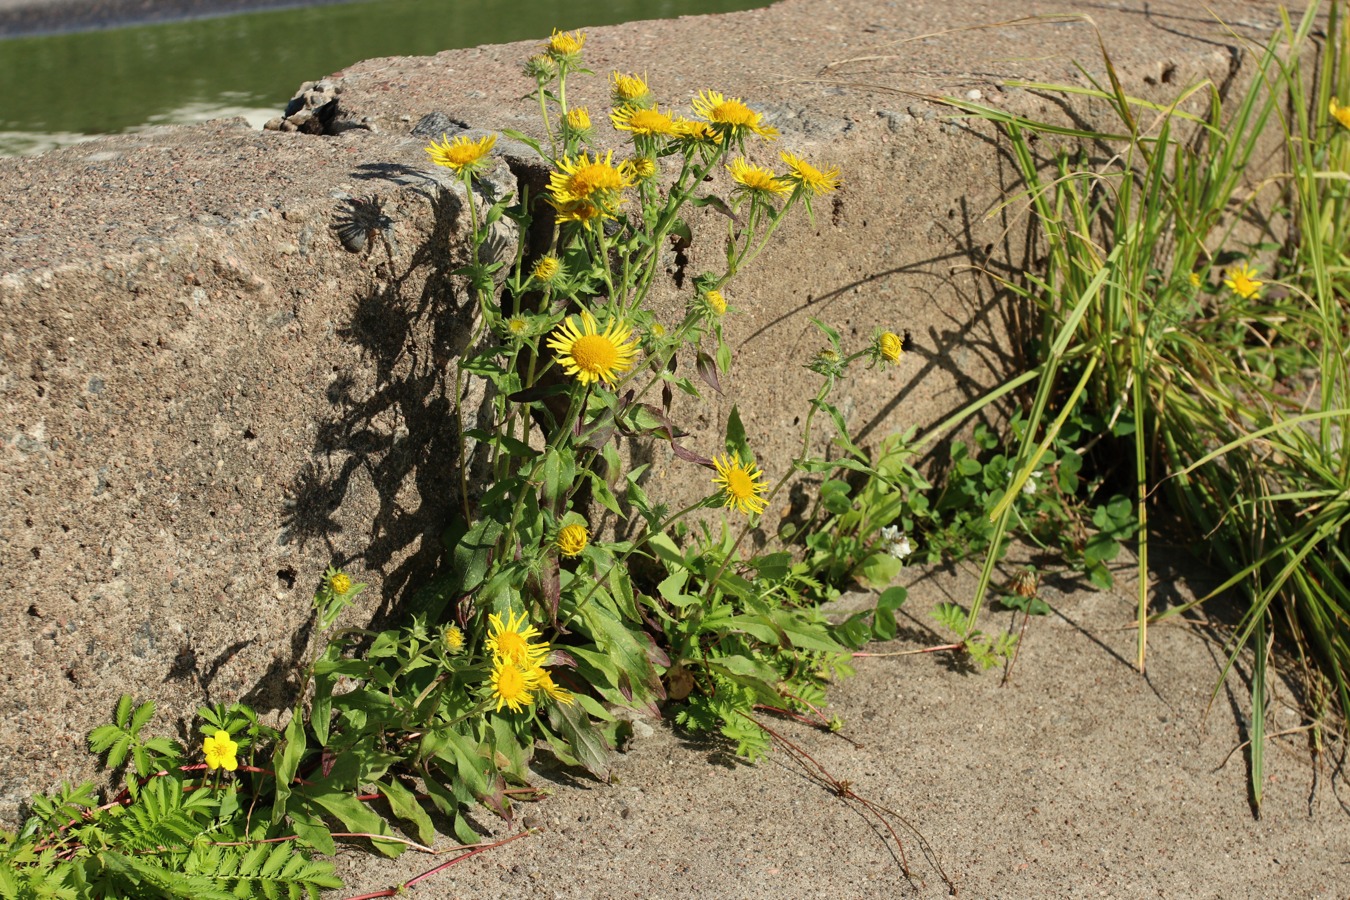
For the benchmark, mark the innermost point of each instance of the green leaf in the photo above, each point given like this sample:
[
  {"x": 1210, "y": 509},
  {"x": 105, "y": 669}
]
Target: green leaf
[
  {"x": 404, "y": 805},
  {"x": 883, "y": 619},
  {"x": 586, "y": 741},
  {"x": 474, "y": 551},
  {"x": 736, "y": 442},
  {"x": 288, "y": 757},
  {"x": 878, "y": 570}
]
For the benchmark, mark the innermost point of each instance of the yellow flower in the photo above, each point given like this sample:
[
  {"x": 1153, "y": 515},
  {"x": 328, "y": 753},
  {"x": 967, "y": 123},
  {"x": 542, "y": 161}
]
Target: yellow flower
[
  {"x": 572, "y": 539},
  {"x": 642, "y": 167},
  {"x": 454, "y": 638},
  {"x": 644, "y": 122},
  {"x": 1242, "y": 281},
  {"x": 741, "y": 483},
  {"x": 716, "y": 302},
  {"x": 579, "y": 119},
  {"x": 461, "y": 154},
  {"x": 545, "y": 682},
  {"x": 565, "y": 45},
  {"x": 517, "y": 326},
  {"x": 546, "y": 269},
  {"x": 697, "y": 132},
  {"x": 582, "y": 212},
  {"x": 757, "y": 179},
  {"x": 629, "y": 90},
  {"x": 340, "y": 583},
  {"x": 510, "y": 642},
  {"x": 591, "y": 356},
  {"x": 731, "y": 116},
  {"x": 513, "y": 685},
  {"x": 1195, "y": 279},
  {"x": 583, "y": 178},
  {"x": 220, "y": 752},
  {"x": 890, "y": 346},
  {"x": 810, "y": 178},
  {"x": 1340, "y": 113}
]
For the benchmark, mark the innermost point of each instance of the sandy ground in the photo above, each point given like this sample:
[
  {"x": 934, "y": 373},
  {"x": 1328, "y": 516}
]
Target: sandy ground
[{"x": 1078, "y": 778}]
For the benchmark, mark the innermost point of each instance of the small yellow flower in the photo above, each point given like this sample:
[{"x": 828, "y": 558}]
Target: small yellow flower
[
  {"x": 340, "y": 583},
  {"x": 513, "y": 685},
  {"x": 890, "y": 346},
  {"x": 1195, "y": 279},
  {"x": 510, "y": 641},
  {"x": 565, "y": 45},
  {"x": 629, "y": 90},
  {"x": 810, "y": 178},
  {"x": 716, "y": 302},
  {"x": 730, "y": 116},
  {"x": 1340, "y": 113},
  {"x": 741, "y": 483},
  {"x": 220, "y": 752},
  {"x": 591, "y": 356},
  {"x": 697, "y": 132},
  {"x": 572, "y": 539},
  {"x": 757, "y": 179},
  {"x": 454, "y": 638},
  {"x": 644, "y": 122},
  {"x": 546, "y": 684},
  {"x": 546, "y": 269},
  {"x": 585, "y": 189},
  {"x": 579, "y": 119},
  {"x": 517, "y": 326},
  {"x": 1242, "y": 281},
  {"x": 641, "y": 167},
  {"x": 461, "y": 154}
]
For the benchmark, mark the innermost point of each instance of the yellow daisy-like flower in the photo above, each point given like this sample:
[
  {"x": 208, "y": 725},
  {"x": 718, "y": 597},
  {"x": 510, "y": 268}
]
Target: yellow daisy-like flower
[
  {"x": 546, "y": 684},
  {"x": 454, "y": 638},
  {"x": 461, "y": 154},
  {"x": 572, "y": 539},
  {"x": 510, "y": 641},
  {"x": 565, "y": 44},
  {"x": 340, "y": 583},
  {"x": 513, "y": 685},
  {"x": 742, "y": 484},
  {"x": 546, "y": 269},
  {"x": 1195, "y": 279},
  {"x": 810, "y": 178},
  {"x": 716, "y": 302},
  {"x": 629, "y": 90},
  {"x": 757, "y": 179},
  {"x": 729, "y": 115},
  {"x": 220, "y": 752},
  {"x": 590, "y": 356},
  {"x": 592, "y": 180},
  {"x": 1340, "y": 113},
  {"x": 644, "y": 122},
  {"x": 1242, "y": 281}
]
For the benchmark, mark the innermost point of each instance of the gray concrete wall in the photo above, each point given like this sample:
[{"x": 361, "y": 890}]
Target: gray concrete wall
[{"x": 205, "y": 399}]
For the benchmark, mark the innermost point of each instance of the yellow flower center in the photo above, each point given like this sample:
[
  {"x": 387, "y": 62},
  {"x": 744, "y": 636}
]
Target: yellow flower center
[
  {"x": 517, "y": 325},
  {"x": 511, "y": 645},
  {"x": 595, "y": 353},
  {"x": 340, "y": 584},
  {"x": 572, "y": 540},
  {"x": 650, "y": 121},
  {"x": 717, "y": 302},
  {"x": 593, "y": 177},
  {"x": 511, "y": 682},
  {"x": 732, "y": 112},
  {"x": 739, "y": 484}
]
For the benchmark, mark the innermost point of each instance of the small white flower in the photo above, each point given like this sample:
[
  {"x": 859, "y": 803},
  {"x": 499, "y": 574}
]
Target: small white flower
[{"x": 896, "y": 541}]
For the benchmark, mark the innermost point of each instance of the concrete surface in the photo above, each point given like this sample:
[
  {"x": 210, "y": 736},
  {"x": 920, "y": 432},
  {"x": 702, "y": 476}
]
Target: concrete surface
[{"x": 205, "y": 400}]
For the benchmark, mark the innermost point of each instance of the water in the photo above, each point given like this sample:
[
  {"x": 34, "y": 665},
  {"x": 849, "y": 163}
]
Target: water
[{"x": 63, "y": 88}]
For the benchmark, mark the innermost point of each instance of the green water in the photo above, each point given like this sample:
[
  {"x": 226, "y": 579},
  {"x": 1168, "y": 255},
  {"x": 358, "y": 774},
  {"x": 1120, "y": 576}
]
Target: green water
[{"x": 60, "y": 88}]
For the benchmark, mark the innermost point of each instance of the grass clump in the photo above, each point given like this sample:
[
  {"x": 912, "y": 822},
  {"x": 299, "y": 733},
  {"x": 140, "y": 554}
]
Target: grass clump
[{"x": 1204, "y": 345}]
